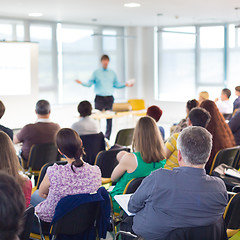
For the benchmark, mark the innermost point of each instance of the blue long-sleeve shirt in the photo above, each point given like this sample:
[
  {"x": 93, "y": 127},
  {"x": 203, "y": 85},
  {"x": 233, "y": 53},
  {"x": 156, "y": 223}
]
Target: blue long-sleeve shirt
[{"x": 104, "y": 80}]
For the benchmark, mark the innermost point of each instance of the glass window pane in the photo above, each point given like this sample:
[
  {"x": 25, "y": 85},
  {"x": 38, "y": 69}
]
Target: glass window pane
[
  {"x": 20, "y": 32},
  {"x": 232, "y": 36},
  {"x": 109, "y": 42},
  {"x": 6, "y": 32},
  {"x": 45, "y": 78},
  {"x": 43, "y": 35},
  {"x": 212, "y": 37},
  {"x": 234, "y": 70},
  {"x": 77, "y": 39}
]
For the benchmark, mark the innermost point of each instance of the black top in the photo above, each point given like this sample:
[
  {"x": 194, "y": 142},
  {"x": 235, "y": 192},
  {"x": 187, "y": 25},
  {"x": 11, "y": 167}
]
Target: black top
[
  {"x": 234, "y": 124},
  {"x": 8, "y": 131}
]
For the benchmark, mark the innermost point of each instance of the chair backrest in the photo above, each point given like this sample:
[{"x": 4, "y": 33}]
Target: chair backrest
[
  {"x": 124, "y": 137},
  {"x": 133, "y": 185},
  {"x": 27, "y": 223},
  {"x": 44, "y": 170},
  {"x": 41, "y": 154},
  {"x": 93, "y": 144},
  {"x": 79, "y": 220},
  {"x": 107, "y": 161},
  {"x": 216, "y": 231},
  {"x": 232, "y": 213},
  {"x": 228, "y": 156},
  {"x": 137, "y": 104}
]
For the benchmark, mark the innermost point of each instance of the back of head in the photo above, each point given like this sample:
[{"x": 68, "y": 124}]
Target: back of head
[
  {"x": 199, "y": 117},
  {"x": 155, "y": 112},
  {"x": 9, "y": 162},
  {"x": 227, "y": 92},
  {"x": 204, "y": 95},
  {"x": 148, "y": 141},
  {"x": 195, "y": 144},
  {"x": 12, "y": 206},
  {"x": 85, "y": 108},
  {"x": 2, "y": 109},
  {"x": 192, "y": 104},
  {"x": 237, "y": 88},
  {"x": 43, "y": 107},
  {"x": 222, "y": 134},
  {"x": 70, "y": 144}
]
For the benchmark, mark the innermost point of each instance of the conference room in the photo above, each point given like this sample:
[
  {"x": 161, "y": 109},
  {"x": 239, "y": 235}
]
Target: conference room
[{"x": 120, "y": 119}]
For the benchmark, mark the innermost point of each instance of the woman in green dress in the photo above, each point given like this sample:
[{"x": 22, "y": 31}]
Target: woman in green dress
[{"x": 148, "y": 156}]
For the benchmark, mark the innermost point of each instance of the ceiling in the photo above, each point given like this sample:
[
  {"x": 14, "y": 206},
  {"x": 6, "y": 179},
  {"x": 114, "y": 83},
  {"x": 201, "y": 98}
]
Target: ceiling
[{"x": 112, "y": 12}]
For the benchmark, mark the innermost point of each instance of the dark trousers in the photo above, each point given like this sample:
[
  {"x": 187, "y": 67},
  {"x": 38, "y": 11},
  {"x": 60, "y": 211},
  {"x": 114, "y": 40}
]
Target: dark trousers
[{"x": 105, "y": 103}]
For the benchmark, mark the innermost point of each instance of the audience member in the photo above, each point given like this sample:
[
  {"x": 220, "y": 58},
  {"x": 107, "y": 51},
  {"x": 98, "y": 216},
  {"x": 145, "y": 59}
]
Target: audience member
[
  {"x": 61, "y": 180},
  {"x": 234, "y": 125},
  {"x": 197, "y": 117},
  {"x": 8, "y": 131},
  {"x": 10, "y": 164},
  {"x": 43, "y": 131},
  {"x": 148, "y": 156},
  {"x": 12, "y": 206},
  {"x": 85, "y": 125},
  {"x": 183, "y": 123},
  {"x": 204, "y": 95},
  {"x": 224, "y": 104},
  {"x": 190, "y": 198},
  {"x": 236, "y": 103},
  {"x": 222, "y": 135},
  {"x": 155, "y": 112}
]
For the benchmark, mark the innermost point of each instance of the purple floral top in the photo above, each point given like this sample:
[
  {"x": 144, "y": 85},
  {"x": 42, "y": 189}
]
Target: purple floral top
[{"x": 63, "y": 182}]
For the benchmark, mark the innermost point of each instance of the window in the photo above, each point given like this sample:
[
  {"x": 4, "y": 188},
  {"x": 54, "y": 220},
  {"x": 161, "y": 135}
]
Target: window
[{"x": 177, "y": 63}]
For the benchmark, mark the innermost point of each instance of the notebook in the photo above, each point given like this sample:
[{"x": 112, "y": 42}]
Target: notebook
[{"x": 123, "y": 200}]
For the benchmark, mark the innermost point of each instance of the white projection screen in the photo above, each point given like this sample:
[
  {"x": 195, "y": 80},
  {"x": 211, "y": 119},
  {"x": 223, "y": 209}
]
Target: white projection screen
[{"x": 18, "y": 81}]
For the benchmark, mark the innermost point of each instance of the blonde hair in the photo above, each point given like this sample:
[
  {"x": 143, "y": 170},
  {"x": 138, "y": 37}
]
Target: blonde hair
[
  {"x": 148, "y": 141},
  {"x": 9, "y": 162},
  {"x": 204, "y": 95}
]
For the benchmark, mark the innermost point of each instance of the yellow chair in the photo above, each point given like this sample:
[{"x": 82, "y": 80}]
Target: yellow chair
[{"x": 137, "y": 104}]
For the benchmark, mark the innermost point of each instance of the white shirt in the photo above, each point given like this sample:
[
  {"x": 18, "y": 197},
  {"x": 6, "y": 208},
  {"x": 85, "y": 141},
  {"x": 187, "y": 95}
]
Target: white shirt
[
  {"x": 225, "y": 107},
  {"x": 85, "y": 126}
]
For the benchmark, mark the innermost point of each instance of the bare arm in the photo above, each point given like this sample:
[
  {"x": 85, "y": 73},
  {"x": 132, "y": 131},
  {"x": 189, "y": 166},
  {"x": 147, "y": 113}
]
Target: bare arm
[
  {"x": 44, "y": 187},
  {"x": 15, "y": 139}
]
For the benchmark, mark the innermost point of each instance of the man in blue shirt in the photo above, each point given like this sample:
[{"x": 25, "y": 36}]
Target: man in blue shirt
[
  {"x": 104, "y": 80},
  {"x": 236, "y": 104}
]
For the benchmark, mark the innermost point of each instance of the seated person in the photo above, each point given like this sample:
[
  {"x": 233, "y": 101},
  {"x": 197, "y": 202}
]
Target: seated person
[
  {"x": 10, "y": 164},
  {"x": 148, "y": 156},
  {"x": 183, "y": 123},
  {"x": 43, "y": 131},
  {"x": 236, "y": 103},
  {"x": 197, "y": 117},
  {"x": 155, "y": 112},
  {"x": 8, "y": 131},
  {"x": 234, "y": 124},
  {"x": 224, "y": 104},
  {"x": 85, "y": 125},
  {"x": 11, "y": 208},
  {"x": 190, "y": 197},
  {"x": 204, "y": 95},
  {"x": 61, "y": 180}
]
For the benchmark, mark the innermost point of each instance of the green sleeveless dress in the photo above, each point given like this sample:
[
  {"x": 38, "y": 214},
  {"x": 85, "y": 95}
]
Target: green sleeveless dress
[{"x": 143, "y": 169}]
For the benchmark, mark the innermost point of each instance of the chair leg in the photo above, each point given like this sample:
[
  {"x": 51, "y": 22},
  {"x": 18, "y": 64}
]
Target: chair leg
[
  {"x": 54, "y": 237},
  {"x": 40, "y": 227}
]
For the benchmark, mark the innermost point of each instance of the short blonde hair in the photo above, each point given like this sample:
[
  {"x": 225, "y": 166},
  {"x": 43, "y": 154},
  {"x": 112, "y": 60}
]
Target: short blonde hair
[
  {"x": 204, "y": 95},
  {"x": 148, "y": 141}
]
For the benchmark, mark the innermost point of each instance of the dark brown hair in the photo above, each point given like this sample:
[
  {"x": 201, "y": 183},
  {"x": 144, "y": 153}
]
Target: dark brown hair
[
  {"x": 70, "y": 144},
  {"x": 237, "y": 88},
  {"x": 2, "y": 109},
  {"x": 222, "y": 134},
  {"x": 105, "y": 57},
  {"x": 199, "y": 117},
  {"x": 85, "y": 108},
  {"x": 227, "y": 92},
  {"x": 192, "y": 104},
  {"x": 12, "y": 206}
]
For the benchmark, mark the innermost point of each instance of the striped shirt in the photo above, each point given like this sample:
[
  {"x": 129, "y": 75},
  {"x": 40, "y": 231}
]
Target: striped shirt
[{"x": 171, "y": 144}]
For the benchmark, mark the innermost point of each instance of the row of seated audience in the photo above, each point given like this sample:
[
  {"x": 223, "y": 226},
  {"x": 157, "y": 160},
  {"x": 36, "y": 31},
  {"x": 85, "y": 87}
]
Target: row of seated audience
[{"x": 159, "y": 207}]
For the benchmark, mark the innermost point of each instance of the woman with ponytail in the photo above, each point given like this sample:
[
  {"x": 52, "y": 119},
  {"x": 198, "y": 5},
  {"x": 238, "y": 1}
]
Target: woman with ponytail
[{"x": 73, "y": 178}]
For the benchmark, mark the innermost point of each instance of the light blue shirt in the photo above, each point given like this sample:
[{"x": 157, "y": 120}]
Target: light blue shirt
[{"x": 104, "y": 80}]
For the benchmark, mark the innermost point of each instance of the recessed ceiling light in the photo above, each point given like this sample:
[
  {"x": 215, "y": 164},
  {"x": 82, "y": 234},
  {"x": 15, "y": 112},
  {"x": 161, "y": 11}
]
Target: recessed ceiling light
[
  {"x": 132, "y": 5},
  {"x": 35, "y": 14}
]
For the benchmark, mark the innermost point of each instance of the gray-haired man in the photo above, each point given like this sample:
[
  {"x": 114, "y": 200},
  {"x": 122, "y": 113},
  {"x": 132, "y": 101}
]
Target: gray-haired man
[{"x": 183, "y": 197}]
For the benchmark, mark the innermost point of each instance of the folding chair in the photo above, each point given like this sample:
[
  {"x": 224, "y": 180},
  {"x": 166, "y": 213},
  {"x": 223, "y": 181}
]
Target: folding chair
[
  {"x": 229, "y": 156},
  {"x": 133, "y": 185},
  {"x": 93, "y": 144},
  {"x": 27, "y": 223},
  {"x": 124, "y": 137},
  {"x": 232, "y": 215}
]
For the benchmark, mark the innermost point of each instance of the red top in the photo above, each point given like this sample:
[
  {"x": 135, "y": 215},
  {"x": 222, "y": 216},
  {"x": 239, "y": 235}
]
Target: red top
[{"x": 27, "y": 190}]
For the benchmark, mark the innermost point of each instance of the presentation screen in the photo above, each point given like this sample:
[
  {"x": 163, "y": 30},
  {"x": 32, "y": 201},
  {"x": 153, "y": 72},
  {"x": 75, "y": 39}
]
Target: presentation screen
[{"x": 15, "y": 69}]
